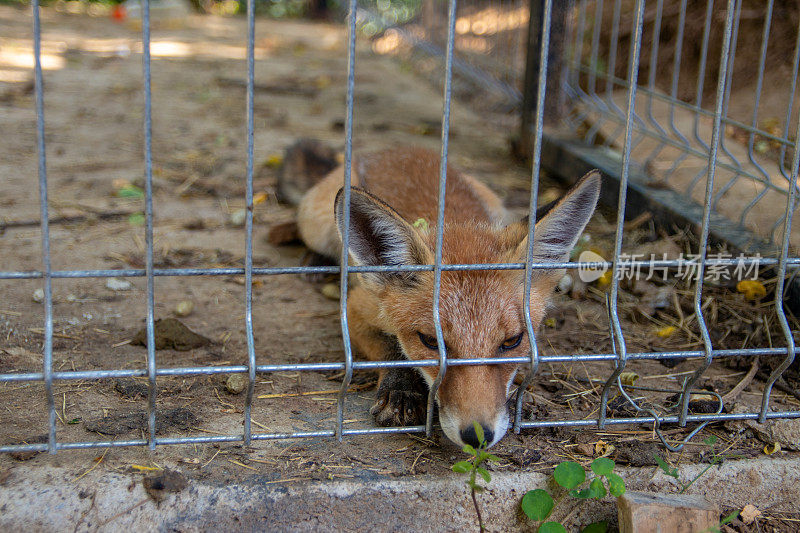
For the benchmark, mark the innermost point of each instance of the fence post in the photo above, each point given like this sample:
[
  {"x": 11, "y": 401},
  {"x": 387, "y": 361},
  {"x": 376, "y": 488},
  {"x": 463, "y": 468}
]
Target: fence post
[{"x": 554, "y": 105}]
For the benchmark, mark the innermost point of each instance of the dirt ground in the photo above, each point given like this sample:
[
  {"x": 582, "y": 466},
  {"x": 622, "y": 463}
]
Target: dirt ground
[{"x": 93, "y": 109}]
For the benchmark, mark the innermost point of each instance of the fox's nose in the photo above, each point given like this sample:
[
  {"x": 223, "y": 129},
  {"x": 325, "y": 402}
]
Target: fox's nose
[{"x": 468, "y": 435}]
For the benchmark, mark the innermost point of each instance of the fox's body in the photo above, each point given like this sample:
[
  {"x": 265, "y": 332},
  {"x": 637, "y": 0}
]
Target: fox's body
[{"x": 391, "y": 314}]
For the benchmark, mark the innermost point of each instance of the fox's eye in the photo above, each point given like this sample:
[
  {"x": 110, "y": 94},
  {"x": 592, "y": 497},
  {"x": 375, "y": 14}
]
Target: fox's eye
[
  {"x": 428, "y": 341},
  {"x": 511, "y": 343}
]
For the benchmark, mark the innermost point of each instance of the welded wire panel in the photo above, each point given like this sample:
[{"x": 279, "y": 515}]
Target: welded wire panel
[
  {"x": 675, "y": 104},
  {"x": 645, "y": 116}
]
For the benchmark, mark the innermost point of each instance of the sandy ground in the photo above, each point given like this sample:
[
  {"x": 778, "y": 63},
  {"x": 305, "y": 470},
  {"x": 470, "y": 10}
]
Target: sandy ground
[{"x": 93, "y": 106}]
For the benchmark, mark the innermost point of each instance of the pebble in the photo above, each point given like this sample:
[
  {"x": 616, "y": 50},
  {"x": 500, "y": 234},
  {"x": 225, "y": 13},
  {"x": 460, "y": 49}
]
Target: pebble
[
  {"x": 236, "y": 383},
  {"x": 38, "y": 295},
  {"x": 331, "y": 290},
  {"x": 238, "y": 217},
  {"x": 116, "y": 284},
  {"x": 184, "y": 308}
]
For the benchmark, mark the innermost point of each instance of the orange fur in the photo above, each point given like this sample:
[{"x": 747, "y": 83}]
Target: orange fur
[{"x": 479, "y": 310}]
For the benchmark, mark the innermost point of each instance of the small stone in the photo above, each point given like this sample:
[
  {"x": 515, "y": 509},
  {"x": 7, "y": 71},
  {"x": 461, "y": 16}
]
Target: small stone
[
  {"x": 331, "y": 290},
  {"x": 238, "y": 217},
  {"x": 236, "y": 383},
  {"x": 184, "y": 308},
  {"x": 38, "y": 295},
  {"x": 642, "y": 512},
  {"x": 116, "y": 284}
]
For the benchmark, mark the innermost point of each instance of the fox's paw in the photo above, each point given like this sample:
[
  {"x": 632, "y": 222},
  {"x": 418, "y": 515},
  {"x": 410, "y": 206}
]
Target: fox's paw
[{"x": 399, "y": 408}]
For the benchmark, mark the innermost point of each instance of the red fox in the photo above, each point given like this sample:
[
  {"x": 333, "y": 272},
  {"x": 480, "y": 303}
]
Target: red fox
[{"x": 391, "y": 314}]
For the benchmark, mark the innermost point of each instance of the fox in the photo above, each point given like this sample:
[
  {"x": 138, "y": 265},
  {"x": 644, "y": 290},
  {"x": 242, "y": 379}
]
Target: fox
[{"x": 393, "y": 214}]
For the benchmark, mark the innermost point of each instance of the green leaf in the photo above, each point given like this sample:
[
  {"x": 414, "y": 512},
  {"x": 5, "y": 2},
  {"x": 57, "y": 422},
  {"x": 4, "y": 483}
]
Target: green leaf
[
  {"x": 537, "y": 504},
  {"x": 665, "y": 467},
  {"x": 479, "y": 433},
  {"x": 616, "y": 485},
  {"x": 584, "y": 494},
  {"x": 130, "y": 191},
  {"x": 597, "y": 486},
  {"x": 551, "y": 527},
  {"x": 462, "y": 467},
  {"x": 492, "y": 458},
  {"x": 469, "y": 449},
  {"x": 477, "y": 488},
  {"x": 597, "y": 527},
  {"x": 569, "y": 474},
  {"x": 730, "y": 518},
  {"x": 484, "y": 474},
  {"x": 710, "y": 440},
  {"x": 136, "y": 219},
  {"x": 602, "y": 466}
]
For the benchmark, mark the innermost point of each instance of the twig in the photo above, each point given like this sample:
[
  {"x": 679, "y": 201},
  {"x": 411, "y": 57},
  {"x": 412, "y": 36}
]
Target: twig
[
  {"x": 743, "y": 384},
  {"x": 128, "y": 510},
  {"x": 108, "y": 215}
]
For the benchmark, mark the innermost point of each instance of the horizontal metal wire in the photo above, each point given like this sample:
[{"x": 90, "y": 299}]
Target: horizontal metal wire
[
  {"x": 746, "y": 260},
  {"x": 375, "y": 365},
  {"x": 210, "y": 439}
]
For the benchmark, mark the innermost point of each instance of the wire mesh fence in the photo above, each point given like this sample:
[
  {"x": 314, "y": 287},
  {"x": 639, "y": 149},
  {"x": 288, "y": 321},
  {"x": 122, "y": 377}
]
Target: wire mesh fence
[{"x": 623, "y": 116}]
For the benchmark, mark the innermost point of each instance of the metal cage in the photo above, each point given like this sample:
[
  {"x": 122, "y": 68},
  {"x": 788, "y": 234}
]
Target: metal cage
[{"x": 624, "y": 104}]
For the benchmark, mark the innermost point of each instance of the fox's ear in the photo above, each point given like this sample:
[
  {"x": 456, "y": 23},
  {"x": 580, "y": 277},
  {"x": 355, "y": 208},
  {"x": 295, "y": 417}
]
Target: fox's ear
[
  {"x": 557, "y": 232},
  {"x": 380, "y": 237}
]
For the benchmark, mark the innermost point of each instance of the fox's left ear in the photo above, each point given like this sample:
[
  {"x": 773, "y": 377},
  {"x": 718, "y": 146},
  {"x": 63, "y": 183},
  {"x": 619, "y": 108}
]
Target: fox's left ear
[{"x": 557, "y": 232}]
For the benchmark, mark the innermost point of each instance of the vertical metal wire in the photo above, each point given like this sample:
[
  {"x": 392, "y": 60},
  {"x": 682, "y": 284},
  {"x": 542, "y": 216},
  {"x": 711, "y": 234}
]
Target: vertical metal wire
[
  {"x": 762, "y": 60},
  {"x": 786, "y": 125},
  {"x": 537, "y": 155},
  {"x": 345, "y": 257},
  {"x": 633, "y": 75},
  {"x": 248, "y": 254},
  {"x": 728, "y": 83},
  {"x": 651, "y": 83},
  {"x": 787, "y": 331},
  {"x": 701, "y": 80},
  {"x": 47, "y": 358},
  {"x": 437, "y": 268},
  {"x": 148, "y": 193},
  {"x": 707, "y": 208},
  {"x": 676, "y": 69}
]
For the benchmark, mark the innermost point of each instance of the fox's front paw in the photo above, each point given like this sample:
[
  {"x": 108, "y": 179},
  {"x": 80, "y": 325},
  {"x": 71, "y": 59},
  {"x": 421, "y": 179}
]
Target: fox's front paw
[
  {"x": 399, "y": 408},
  {"x": 402, "y": 399}
]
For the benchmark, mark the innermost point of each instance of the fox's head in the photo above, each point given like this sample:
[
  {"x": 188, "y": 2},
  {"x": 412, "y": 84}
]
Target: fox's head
[{"x": 481, "y": 312}]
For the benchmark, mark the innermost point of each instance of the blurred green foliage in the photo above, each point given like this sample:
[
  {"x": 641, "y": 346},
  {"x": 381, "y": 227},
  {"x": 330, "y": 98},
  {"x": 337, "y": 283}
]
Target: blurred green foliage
[{"x": 390, "y": 11}]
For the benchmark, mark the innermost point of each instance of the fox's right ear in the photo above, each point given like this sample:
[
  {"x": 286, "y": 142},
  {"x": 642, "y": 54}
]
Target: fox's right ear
[{"x": 378, "y": 236}]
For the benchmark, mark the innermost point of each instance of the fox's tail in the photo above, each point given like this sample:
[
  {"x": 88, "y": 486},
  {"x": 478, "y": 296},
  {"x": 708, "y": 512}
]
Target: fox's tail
[{"x": 305, "y": 163}]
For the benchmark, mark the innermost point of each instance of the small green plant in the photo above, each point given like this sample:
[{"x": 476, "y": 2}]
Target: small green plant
[
  {"x": 673, "y": 472},
  {"x": 538, "y": 504},
  {"x": 474, "y": 469}
]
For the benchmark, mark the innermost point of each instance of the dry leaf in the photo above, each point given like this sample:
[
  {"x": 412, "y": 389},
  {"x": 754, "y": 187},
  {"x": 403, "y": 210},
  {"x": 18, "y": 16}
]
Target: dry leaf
[
  {"x": 749, "y": 514},
  {"x": 771, "y": 449},
  {"x": 752, "y": 289}
]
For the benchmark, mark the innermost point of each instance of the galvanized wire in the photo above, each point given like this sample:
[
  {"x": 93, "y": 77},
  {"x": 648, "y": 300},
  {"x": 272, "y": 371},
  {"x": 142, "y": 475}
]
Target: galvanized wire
[
  {"x": 47, "y": 359},
  {"x": 437, "y": 266},
  {"x": 148, "y": 214},
  {"x": 344, "y": 259},
  {"x": 248, "y": 246},
  {"x": 594, "y": 104},
  {"x": 534, "y": 202},
  {"x": 722, "y": 84},
  {"x": 613, "y": 315}
]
